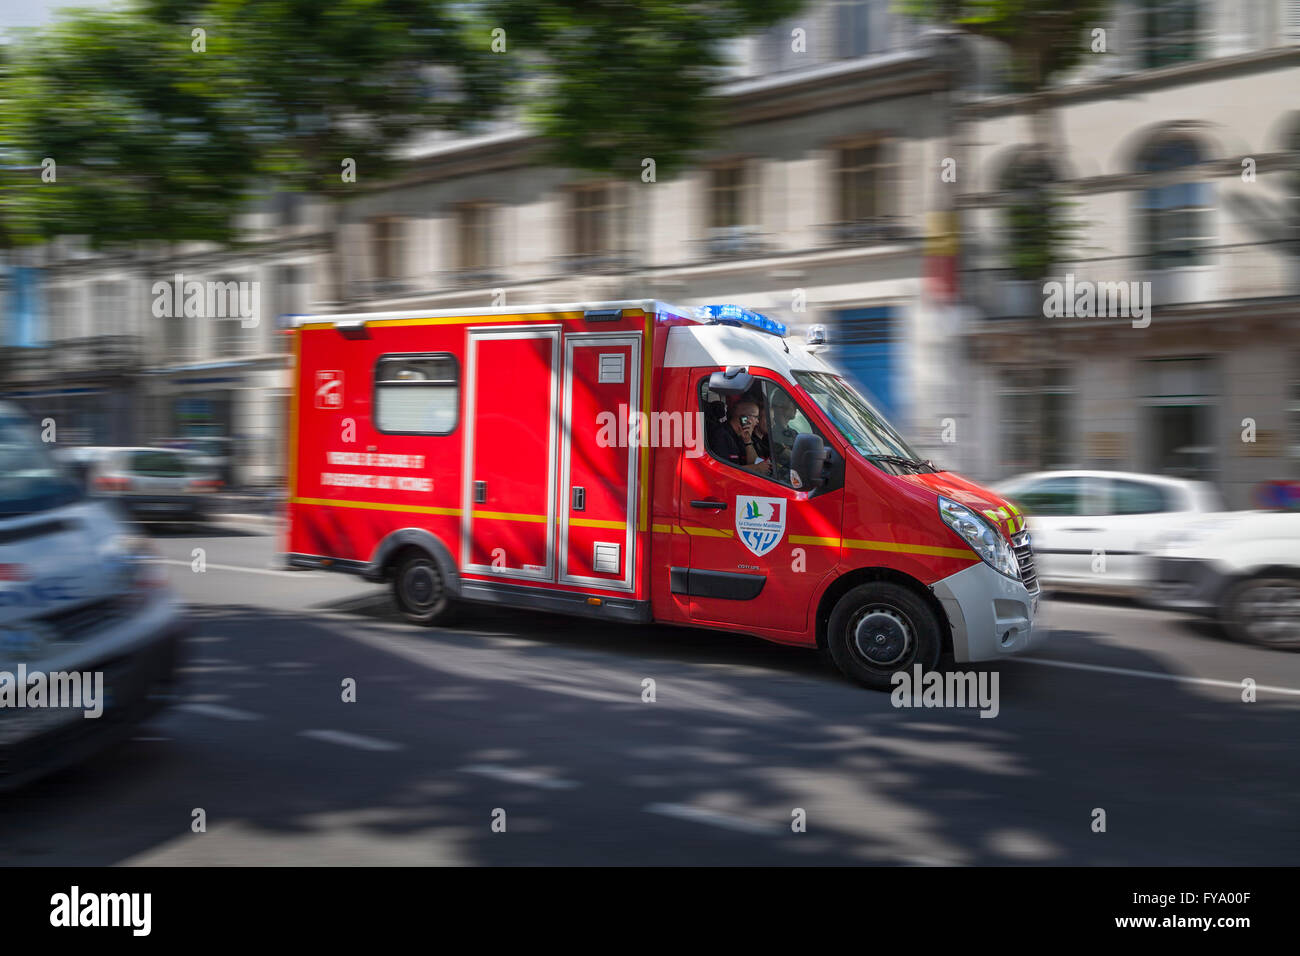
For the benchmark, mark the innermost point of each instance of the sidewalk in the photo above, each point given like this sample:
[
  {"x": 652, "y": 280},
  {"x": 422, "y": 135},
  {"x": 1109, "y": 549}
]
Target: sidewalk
[{"x": 261, "y": 509}]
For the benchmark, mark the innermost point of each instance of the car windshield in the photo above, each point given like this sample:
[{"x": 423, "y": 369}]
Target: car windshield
[
  {"x": 158, "y": 464},
  {"x": 862, "y": 426},
  {"x": 30, "y": 479}
]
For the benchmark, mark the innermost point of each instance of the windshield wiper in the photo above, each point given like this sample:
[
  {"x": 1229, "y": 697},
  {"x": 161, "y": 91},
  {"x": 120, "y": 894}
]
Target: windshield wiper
[{"x": 902, "y": 462}]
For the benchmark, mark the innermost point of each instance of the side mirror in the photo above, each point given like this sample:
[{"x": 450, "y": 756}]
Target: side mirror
[
  {"x": 734, "y": 381},
  {"x": 808, "y": 462}
]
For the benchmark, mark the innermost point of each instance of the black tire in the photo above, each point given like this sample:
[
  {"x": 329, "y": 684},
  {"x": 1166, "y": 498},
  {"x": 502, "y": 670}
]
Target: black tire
[
  {"x": 1264, "y": 610},
  {"x": 880, "y": 628},
  {"x": 421, "y": 591}
]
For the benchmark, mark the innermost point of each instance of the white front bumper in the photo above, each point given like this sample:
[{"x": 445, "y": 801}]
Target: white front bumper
[{"x": 991, "y": 615}]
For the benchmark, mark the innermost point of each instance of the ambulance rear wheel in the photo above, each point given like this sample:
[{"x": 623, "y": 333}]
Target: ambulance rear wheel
[
  {"x": 420, "y": 590},
  {"x": 879, "y": 628}
]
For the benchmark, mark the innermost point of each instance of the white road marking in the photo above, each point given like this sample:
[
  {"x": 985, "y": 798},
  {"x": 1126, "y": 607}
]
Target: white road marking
[
  {"x": 232, "y": 567},
  {"x": 1152, "y": 675},
  {"x": 216, "y": 710},
  {"x": 682, "y": 811},
  {"x": 526, "y": 777},
  {"x": 345, "y": 739}
]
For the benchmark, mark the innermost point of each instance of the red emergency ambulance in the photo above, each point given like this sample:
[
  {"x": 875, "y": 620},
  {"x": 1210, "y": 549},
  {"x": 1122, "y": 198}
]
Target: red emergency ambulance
[{"x": 636, "y": 461}]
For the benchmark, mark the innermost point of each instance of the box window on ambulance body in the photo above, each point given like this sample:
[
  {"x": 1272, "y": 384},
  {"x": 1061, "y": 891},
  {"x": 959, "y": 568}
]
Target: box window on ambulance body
[{"x": 561, "y": 458}]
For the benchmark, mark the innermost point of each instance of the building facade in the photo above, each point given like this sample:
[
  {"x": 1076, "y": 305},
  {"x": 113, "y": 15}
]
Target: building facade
[{"x": 1174, "y": 159}]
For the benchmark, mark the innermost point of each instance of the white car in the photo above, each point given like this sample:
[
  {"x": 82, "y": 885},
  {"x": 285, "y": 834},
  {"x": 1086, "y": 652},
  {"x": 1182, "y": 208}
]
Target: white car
[
  {"x": 1092, "y": 530},
  {"x": 1241, "y": 568},
  {"x": 77, "y": 596}
]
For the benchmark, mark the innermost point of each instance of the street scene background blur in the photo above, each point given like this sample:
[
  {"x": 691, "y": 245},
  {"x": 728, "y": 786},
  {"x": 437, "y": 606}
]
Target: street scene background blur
[
  {"x": 1057, "y": 243},
  {"x": 909, "y": 185}
]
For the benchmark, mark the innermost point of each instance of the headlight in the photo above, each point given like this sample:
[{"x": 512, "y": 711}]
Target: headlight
[
  {"x": 983, "y": 538},
  {"x": 134, "y": 560}
]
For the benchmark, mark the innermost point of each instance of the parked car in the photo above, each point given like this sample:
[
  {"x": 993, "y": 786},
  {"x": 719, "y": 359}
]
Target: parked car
[
  {"x": 78, "y": 596},
  {"x": 1242, "y": 569},
  {"x": 214, "y": 454},
  {"x": 153, "y": 484},
  {"x": 1092, "y": 530}
]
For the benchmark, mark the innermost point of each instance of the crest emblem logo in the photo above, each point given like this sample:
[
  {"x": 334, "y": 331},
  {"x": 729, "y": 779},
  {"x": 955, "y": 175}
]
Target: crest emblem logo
[
  {"x": 329, "y": 389},
  {"x": 760, "y": 522}
]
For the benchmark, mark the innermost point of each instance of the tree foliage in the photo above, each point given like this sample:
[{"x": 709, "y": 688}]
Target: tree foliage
[{"x": 157, "y": 139}]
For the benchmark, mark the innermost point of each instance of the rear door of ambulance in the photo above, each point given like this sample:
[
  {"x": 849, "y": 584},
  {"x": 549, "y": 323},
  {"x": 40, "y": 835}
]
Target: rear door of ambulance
[
  {"x": 549, "y": 491},
  {"x": 599, "y": 464}
]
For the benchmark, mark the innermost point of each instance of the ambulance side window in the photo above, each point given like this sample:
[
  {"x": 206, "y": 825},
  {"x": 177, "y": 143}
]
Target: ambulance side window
[
  {"x": 782, "y": 422},
  {"x": 417, "y": 394}
]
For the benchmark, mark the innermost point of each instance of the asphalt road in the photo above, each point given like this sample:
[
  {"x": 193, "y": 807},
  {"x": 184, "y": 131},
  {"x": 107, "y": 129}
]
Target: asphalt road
[{"x": 539, "y": 720}]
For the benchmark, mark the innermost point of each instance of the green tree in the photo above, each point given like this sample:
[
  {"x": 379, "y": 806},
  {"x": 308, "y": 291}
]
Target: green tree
[
  {"x": 1043, "y": 40},
  {"x": 164, "y": 134}
]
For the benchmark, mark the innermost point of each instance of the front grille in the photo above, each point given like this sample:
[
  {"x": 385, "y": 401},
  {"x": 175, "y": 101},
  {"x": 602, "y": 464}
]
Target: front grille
[
  {"x": 1025, "y": 559},
  {"x": 86, "y": 620}
]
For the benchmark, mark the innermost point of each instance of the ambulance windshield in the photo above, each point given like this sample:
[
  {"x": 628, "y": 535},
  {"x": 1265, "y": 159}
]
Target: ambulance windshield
[{"x": 861, "y": 425}]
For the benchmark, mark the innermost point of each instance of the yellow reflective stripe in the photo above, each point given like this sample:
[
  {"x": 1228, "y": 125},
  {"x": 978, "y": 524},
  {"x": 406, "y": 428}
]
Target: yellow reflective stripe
[
  {"x": 376, "y": 506},
  {"x": 707, "y": 532},
  {"x": 662, "y": 529},
  {"x": 896, "y": 548},
  {"x": 891, "y": 546},
  {"x": 596, "y": 523},
  {"x": 805, "y": 539},
  {"x": 508, "y": 516}
]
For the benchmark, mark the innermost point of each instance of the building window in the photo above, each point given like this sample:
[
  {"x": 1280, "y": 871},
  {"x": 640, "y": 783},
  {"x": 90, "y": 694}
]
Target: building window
[
  {"x": 1035, "y": 413},
  {"x": 110, "y": 309},
  {"x": 226, "y": 297},
  {"x": 1169, "y": 32},
  {"x": 854, "y": 29},
  {"x": 287, "y": 300},
  {"x": 732, "y": 230},
  {"x": 416, "y": 394},
  {"x": 863, "y": 180},
  {"x": 596, "y": 223},
  {"x": 175, "y": 346},
  {"x": 1181, "y": 400},
  {"x": 1174, "y": 218},
  {"x": 61, "y": 315},
  {"x": 386, "y": 246},
  {"x": 474, "y": 238},
  {"x": 287, "y": 209}
]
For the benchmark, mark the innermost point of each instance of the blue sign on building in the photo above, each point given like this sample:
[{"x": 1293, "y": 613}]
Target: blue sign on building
[{"x": 20, "y": 307}]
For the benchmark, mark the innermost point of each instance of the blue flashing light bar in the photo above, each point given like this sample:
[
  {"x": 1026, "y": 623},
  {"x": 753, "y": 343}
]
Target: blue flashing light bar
[{"x": 735, "y": 315}]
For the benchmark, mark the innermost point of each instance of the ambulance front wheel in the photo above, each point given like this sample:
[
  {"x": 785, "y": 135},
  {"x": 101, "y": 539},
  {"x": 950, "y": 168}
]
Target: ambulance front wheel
[
  {"x": 880, "y": 628},
  {"x": 420, "y": 590}
]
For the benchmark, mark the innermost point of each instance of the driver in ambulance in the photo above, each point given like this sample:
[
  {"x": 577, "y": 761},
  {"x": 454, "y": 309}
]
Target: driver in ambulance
[{"x": 733, "y": 440}]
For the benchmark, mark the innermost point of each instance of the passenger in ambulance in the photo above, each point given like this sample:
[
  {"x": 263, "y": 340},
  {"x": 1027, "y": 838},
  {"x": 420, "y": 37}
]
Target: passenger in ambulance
[
  {"x": 761, "y": 444},
  {"x": 733, "y": 440},
  {"x": 783, "y": 415}
]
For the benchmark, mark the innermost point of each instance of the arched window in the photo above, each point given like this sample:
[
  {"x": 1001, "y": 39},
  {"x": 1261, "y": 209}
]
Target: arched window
[{"x": 1174, "y": 222}]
